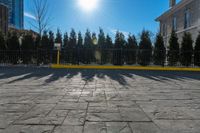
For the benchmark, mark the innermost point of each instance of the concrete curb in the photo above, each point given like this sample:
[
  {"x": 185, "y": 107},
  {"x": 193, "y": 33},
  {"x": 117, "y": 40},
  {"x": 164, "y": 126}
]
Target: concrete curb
[{"x": 151, "y": 68}]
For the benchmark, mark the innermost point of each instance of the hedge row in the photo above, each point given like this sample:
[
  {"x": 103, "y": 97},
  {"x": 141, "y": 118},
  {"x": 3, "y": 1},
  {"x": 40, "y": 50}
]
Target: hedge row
[{"x": 99, "y": 48}]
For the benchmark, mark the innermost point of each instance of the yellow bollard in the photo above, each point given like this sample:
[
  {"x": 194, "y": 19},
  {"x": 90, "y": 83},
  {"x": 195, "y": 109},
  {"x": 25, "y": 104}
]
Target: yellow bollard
[{"x": 58, "y": 57}]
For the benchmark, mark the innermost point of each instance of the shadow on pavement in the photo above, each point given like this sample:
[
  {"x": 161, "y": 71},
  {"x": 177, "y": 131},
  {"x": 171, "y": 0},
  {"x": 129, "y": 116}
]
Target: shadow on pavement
[{"x": 51, "y": 75}]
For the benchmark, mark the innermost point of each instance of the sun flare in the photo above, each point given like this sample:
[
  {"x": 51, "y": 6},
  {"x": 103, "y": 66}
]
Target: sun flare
[{"x": 88, "y": 5}]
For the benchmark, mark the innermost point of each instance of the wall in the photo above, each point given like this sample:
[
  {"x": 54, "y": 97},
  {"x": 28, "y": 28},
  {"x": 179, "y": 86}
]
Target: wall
[
  {"x": 3, "y": 19},
  {"x": 194, "y": 28}
]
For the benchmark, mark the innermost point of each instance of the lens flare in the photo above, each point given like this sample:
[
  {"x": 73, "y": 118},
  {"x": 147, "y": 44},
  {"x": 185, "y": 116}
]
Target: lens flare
[{"x": 88, "y": 5}]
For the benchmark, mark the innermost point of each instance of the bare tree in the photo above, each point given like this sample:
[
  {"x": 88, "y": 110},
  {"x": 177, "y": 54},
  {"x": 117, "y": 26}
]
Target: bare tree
[{"x": 42, "y": 16}]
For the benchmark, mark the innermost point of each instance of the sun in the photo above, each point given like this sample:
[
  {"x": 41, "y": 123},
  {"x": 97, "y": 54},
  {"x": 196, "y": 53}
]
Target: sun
[{"x": 88, "y": 5}]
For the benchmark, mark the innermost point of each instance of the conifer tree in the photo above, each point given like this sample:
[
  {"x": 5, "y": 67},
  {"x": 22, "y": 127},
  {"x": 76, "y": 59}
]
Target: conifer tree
[
  {"x": 145, "y": 49},
  {"x": 37, "y": 45},
  {"x": 72, "y": 47},
  {"x": 101, "y": 46},
  {"x": 13, "y": 47},
  {"x": 13, "y": 42},
  {"x": 58, "y": 38},
  {"x": 118, "y": 57},
  {"x": 197, "y": 51},
  {"x": 94, "y": 39},
  {"x": 66, "y": 47},
  {"x": 94, "y": 47},
  {"x": 173, "y": 49},
  {"x": 2, "y": 42},
  {"x": 2, "y": 47},
  {"x": 88, "y": 39},
  {"x": 131, "y": 50},
  {"x": 51, "y": 41},
  {"x": 44, "y": 41},
  {"x": 109, "y": 43},
  {"x": 80, "y": 48},
  {"x": 72, "y": 39},
  {"x": 27, "y": 48},
  {"x": 87, "y": 47},
  {"x": 65, "y": 41},
  {"x": 80, "y": 40},
  {"x": 108, "y": 49},
  {"x": 43, "y": 49},
  {"x": 101, "y": 39},
  {"x": 51, "y": 54},
  {"x": 37, "y": 42},
  {"x": 159, "y": 55},
  {"x": 186, "y": 50}
]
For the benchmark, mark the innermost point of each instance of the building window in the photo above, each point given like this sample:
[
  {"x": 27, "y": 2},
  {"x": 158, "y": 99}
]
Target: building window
[
  {"x": 174, "y": 23},
  {"x": 164, "y": 29},
  {"x": 187, "y": 19}
]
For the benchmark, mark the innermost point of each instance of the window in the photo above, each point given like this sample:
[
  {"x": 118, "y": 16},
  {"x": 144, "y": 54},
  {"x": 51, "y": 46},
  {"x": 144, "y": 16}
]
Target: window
[
  {"x": 174, "y": 24},
  {"x": 164, "y": 30},
  {"x": 187, "y": 19}
]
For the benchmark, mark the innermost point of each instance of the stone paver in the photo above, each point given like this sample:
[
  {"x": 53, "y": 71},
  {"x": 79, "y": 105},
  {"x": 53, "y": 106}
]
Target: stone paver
[
  {"x": 98, "y": 101},
  {"x": 68, "y": 129},
  {"x": 28, "y": 129}
]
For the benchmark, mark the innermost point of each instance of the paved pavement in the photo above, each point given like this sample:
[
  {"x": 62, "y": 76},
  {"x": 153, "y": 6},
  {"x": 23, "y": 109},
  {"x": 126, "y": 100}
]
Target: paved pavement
[{"x": 38, "y": 100}]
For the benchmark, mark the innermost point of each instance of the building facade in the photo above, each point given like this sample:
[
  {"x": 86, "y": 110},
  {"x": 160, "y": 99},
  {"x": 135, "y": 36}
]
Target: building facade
[
  {"x": 181, "y": 17},
  {"x": 3, "y": 18},
  {"x": 16, "y": 12}
]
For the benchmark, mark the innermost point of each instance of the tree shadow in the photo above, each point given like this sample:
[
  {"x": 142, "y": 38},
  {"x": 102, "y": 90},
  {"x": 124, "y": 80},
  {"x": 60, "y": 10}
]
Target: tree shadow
[
  {"x": 16, "y": 74},
  {"x": 116, "y": 75},
  {"x": 87, "y": 75},
  {"x": 163, "y": 76}
]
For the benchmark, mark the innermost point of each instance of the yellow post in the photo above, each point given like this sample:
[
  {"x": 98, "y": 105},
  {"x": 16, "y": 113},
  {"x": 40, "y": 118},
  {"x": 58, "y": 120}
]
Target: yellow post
[{"x": 58, "y": 57}]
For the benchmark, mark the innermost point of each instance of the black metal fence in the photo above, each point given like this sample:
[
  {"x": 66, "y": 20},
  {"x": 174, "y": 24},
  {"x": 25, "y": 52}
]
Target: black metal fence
[
  {"x": 28, "y": 57},
  {"x": 86, "y": 56}
]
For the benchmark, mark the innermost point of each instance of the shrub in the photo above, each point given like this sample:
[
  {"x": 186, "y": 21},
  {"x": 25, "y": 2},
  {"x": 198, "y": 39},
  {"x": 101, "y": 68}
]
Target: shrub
[
  {"x": 197, "y": 51},
  {"x": 186, "y": 50},
  {"x": 173, "y": 53},
  {"x": 159, "y": 55}
]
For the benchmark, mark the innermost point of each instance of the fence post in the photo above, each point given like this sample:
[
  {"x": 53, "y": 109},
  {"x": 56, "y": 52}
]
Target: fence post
[{"x": 58, "y": 57}]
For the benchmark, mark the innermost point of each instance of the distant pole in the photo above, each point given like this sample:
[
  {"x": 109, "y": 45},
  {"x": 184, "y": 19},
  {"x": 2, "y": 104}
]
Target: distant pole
[
  {"x": 58, "y": 47},
  {"x": 58, "y": 57}
]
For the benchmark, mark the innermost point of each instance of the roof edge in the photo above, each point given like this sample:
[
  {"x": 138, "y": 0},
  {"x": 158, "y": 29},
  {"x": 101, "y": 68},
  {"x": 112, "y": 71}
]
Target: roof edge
[{"x": 174, "y": 9}]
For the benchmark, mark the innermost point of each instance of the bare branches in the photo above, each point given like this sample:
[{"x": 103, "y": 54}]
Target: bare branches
[{"x": 41, "y": 13}]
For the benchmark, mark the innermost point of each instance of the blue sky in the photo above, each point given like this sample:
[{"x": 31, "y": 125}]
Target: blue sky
[{"x": 128, "y": 16}]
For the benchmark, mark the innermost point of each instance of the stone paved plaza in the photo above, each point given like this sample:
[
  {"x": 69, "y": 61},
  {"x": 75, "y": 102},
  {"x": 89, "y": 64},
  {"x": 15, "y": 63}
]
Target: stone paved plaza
[{"x": 42, "y": 100}]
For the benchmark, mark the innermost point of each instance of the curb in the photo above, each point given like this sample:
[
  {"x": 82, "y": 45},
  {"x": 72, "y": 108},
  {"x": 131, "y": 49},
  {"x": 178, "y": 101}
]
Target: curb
[{"x": 150, "y": 68}]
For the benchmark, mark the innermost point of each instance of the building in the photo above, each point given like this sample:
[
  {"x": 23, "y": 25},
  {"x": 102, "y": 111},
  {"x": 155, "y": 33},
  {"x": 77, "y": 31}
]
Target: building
[
  {"x": 182, "y": 17},
  {"x": 16, "y": 12},
  {"x": 3, "y": 18}
]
